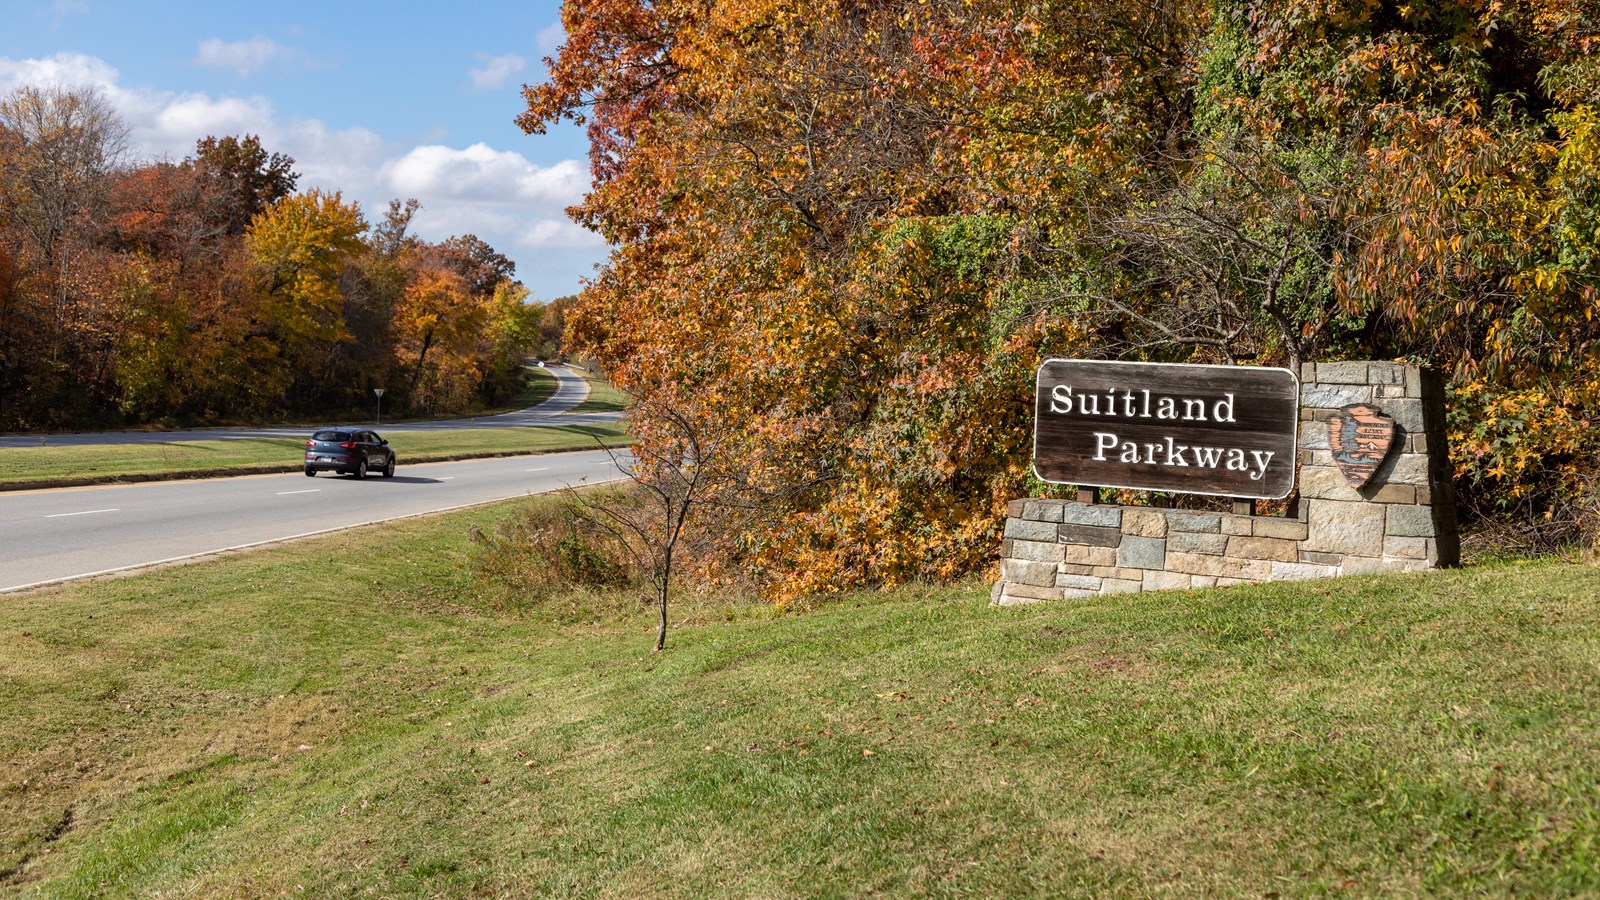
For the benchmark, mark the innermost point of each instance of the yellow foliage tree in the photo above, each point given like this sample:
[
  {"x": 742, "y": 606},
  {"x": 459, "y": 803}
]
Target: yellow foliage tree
[{"x": 298, "y": 247}]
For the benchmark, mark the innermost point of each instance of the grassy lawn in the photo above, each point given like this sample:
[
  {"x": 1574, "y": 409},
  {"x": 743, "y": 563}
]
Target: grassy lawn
[
  {"x": 539, "y": 387},
  {"x": 46, "y": 465},
  {"x": 602, "y": 396},
  {"x": 317, "y": 718}
]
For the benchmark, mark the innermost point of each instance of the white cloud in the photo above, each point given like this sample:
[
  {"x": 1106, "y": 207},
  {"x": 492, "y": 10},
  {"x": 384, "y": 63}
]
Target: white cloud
[
  {"x": 551, "y": 37},
  {"x": 485, "y": 191},
  {"x": 63, "y": 68},
  {"x": 171, "y": 121},
  {"x": 60, "y": 9},
  {"x": 495, "y": 70},
  {"x": 244, "y": 57},
  {"x": 480, "y": 173},
  {"x": 344, "y": 159},
  {"x": 166, "y": 124},
  {"x": 558, "y": 233}
]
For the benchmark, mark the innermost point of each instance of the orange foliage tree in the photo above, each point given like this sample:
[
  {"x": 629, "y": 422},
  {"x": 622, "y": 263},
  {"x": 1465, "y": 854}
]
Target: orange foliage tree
[
  {"x": 205, "y": 290},
  {"x": 852, "y": 231},
  {"x": 807, "y": 242}
]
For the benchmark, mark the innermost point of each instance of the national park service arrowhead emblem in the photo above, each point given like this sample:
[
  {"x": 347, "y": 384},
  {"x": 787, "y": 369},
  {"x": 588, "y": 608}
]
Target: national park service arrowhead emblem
[{"x": 1360, "y": 437}]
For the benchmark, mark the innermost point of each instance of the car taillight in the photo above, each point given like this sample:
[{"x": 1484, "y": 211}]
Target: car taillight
[
  {"x": 311, "y": 443},
  {"x": 347, "y": 445}
]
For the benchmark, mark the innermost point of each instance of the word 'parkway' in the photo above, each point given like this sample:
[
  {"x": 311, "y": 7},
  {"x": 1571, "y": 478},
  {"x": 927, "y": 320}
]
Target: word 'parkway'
[{"x": 1227, "y": 430}]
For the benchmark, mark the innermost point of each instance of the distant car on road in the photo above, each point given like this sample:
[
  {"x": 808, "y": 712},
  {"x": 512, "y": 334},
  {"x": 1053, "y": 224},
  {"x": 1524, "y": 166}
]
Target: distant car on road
[{"x": 353, "y": 451}]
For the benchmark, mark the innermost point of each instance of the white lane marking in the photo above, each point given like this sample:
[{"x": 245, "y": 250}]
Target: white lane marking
[
  {"x": 306, "y": 491},
  {"x": 445, "y": 478},
  {"x": 87, "y": 512},
  {"x": 544, "y": 469}
]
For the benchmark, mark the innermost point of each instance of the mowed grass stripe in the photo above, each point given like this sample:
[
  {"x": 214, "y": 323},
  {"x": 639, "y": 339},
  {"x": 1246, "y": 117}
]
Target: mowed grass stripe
[{"x": 324, "y": 718}]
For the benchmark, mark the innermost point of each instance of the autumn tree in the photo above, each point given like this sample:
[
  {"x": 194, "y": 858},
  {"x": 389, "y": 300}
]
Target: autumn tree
[
  {"x": 298, "y": 249},
  {"x": 205, "y": 289},
  {"x": 167, "y": 210},
  {"x": 480, "y": 265},
  {"x": 853, "y": 231},
  {"x": 12, "y": 353},
  {"x": 805, "y": 247},
  {"x": 245, "y": 175},
  {"x": 512, "y": 329},
  {"x": 1469, "y": 147},
  {"x": 553, "y": 328},
  {"x": 392, "y": 236},
  {"x": 60, "y": 146},
  {"x": 689, "y": 493},
  {"x": 438, "y": 320}
]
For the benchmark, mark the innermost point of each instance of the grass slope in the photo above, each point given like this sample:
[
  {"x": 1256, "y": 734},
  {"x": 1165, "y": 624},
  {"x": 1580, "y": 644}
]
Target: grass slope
[
  {"x": 33, "y": 466},
  {"x": 538, "y": 386},
  {"x": 603, "y": 397},
  {"x": 315, "y": 718}
]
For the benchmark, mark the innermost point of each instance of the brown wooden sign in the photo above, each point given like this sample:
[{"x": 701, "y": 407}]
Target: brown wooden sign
[{"x": 1224, "y": 430}]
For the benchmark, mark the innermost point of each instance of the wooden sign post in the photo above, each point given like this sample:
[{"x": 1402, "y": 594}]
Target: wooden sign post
[{"x": 1196, "y": 429}]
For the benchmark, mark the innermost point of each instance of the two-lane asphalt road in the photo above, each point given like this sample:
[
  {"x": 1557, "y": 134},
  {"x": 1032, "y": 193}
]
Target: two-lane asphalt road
[{"x": 54, "y": 535}]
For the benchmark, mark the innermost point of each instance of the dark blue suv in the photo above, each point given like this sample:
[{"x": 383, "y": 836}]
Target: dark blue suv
[{"x": 354, "y": 451}]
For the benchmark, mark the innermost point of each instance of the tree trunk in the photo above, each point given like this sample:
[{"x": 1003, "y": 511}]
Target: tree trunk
[
  {"x": 661, "y": 627},
  {"x": 416, "y": 376}
]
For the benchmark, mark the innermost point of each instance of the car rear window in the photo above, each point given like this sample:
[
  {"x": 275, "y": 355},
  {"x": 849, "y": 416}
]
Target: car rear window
[{"x": 331, "y": 436}]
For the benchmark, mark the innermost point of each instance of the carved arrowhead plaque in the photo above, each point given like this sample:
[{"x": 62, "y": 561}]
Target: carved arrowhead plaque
[{"x": 1360, "y": 436}]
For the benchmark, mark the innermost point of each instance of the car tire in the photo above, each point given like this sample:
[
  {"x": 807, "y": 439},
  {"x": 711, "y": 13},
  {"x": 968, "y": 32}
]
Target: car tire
[
  {"x": 388, "y": 468},
  {"x": 310, "y": 472},
  {"x": 361, "y": 470}
]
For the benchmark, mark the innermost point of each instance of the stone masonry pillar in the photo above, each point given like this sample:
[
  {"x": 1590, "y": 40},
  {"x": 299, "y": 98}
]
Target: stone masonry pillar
[{"x": 1404, "y": 517}]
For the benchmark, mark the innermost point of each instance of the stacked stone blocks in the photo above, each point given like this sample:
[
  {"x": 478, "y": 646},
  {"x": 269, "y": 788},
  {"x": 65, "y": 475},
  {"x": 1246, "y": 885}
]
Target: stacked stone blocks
[{"x": 1402, "y": 519}]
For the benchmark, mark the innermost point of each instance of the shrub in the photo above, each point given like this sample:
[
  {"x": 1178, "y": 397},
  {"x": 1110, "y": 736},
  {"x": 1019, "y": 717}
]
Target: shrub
[{"x": 546, "y": 553}]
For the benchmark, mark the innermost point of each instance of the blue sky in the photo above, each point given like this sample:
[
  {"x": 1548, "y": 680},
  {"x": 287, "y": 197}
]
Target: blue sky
[{"x": 381, "y": 101}]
